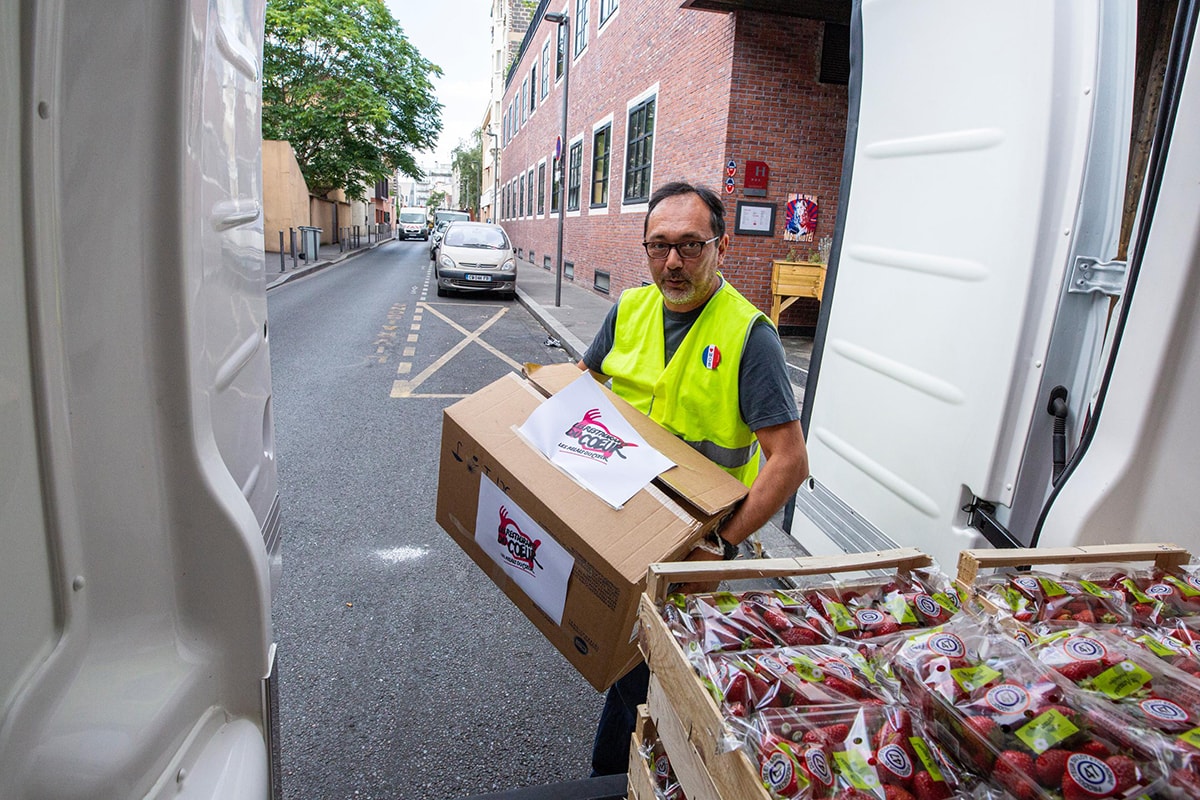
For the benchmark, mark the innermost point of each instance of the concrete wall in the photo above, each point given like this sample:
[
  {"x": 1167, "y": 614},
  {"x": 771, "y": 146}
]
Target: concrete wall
[{"x": 285, "y": 194}]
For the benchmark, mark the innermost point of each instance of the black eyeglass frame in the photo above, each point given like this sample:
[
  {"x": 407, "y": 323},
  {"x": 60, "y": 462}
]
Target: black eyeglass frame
[{"x": 677, "y": 247}]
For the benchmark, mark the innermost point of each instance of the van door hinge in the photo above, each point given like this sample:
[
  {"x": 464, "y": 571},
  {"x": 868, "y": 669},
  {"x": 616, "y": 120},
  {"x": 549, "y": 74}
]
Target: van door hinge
[
  {"x": 981, "y": 515},
  {"x": 1093, "y": 275}
]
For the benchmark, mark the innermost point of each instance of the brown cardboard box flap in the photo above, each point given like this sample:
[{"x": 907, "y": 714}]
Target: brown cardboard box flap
[{"x": 694, "y": 478}]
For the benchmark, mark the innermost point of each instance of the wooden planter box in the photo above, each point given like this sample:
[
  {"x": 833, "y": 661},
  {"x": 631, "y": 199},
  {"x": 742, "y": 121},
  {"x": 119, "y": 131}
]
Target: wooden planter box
[
  {"x": 688, "y": 721},
  {"x": 791, "y": 280}
]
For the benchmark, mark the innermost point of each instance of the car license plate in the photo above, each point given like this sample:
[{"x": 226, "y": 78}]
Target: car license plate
[{"x": 481, "y": 278}]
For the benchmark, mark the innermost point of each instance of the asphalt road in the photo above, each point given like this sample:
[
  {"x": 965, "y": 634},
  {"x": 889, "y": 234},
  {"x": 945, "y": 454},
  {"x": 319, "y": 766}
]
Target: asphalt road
[{"x": 404, "y": 672}]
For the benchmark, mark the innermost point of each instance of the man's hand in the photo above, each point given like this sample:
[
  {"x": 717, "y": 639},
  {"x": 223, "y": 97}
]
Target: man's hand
[{"x": 700, "y": 554}]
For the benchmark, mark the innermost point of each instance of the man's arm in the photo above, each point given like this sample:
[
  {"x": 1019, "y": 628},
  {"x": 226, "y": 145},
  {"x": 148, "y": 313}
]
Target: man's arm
[{"x": 785, "y": 469}]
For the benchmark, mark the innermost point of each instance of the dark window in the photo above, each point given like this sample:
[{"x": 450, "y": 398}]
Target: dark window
[
  {"x": 639, "y": 151},
  {"x": 569, "y": 270},
  {"x": 545, "y": 69},
  {"x": 524, "y": 94},
  {"x": 601, "y": 141},
  {"x": 546, "y": 263},
  {"x": 521, "y": 192},
  {"x": 835, "y": 54},
  {"x": 607, "y": 7},
  {"x": 533, "y": 88},
  {"x": 600, "y": 281},
  {"x": 541, "y": 189},
  {"x": 530, "y": 206},
  {"x": 575, "y": 165},
  {"x": 562, "y": 52},
  {"x": 581, "y": 23},
  {"x": 555, "y": 186}
]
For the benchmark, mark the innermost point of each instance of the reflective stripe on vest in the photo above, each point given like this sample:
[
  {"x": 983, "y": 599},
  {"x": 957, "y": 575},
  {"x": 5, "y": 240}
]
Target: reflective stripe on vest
[{"x": 695, "y": 396}]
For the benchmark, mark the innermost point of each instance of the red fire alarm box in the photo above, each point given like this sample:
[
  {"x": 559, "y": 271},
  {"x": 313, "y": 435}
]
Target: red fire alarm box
[{"x": 757, "y": 173}]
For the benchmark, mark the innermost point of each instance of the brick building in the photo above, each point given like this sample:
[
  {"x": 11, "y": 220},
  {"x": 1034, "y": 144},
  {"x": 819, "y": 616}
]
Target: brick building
[{"x": 660, "y": 93}]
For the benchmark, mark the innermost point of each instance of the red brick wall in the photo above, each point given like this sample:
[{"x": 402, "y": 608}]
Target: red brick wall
[
  {"x": 720, "y": 96},
  {"x": 782, "y": 115}
]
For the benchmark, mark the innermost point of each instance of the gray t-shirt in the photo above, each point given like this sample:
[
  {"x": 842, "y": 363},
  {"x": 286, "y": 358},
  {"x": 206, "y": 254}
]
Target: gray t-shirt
[{"x": 765, "y": 394}]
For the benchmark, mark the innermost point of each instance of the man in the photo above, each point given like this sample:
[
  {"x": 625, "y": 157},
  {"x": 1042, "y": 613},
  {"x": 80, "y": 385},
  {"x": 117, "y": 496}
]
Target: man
[{"x": 703, "y": 362}]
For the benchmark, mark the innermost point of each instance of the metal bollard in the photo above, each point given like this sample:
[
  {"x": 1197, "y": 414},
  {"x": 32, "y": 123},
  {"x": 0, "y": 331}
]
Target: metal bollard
[
  {"x": 292, "y": 233},
  {"x": 281, "y": 262}
]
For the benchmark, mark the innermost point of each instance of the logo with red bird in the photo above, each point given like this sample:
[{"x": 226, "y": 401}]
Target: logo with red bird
[
  {"x": 521, "y": 550},
  {"x": 594, "y": 439}
]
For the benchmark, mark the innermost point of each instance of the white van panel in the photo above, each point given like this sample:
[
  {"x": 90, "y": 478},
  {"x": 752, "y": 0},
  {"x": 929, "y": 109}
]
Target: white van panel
[
  {"x": 140, "y": 412},
  {"x": 1137, "y": 479},
  {"x": 972, "y": 135}
]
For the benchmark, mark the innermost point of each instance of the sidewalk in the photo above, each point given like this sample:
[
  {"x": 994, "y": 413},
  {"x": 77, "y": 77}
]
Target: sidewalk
[{"x": 278, "y": 273}]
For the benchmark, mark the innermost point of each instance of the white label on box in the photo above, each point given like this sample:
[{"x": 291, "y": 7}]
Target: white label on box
[
  {"x": 530, "y": 557},
  {"x": 579, "y": 430}
]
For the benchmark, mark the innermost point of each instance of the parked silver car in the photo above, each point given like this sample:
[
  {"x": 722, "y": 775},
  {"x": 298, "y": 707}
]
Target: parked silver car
[{"x": 475, "y": 257}]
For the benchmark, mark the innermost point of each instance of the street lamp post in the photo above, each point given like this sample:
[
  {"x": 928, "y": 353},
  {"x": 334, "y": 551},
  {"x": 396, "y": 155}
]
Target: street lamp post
[
  {"x": 563, "y": 21},
  {"x": 495, "y": 175}
]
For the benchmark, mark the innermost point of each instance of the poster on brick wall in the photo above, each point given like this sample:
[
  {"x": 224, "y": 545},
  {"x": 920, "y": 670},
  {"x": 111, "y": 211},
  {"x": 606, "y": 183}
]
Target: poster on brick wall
[{"x": 800, "y": 221}]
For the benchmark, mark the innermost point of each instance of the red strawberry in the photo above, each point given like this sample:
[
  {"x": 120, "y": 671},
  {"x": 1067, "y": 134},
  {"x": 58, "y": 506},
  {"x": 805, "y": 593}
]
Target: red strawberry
[
  {"x": 1079, "y": 671},
  {"x": 926, "y": 788},
  {"x": 830, "y": 734},
  {"x": 798, "y": 636},
  {"x": 1085, "y": 615},
  {"x": 843, "y": 686},
  {"x": 1095, "y": 748},
  {"x": 984, "y": 726},
  {"x": 886, "y": 627},
  {"x": 1014, "y": 770},
  {"x": 776, "y": 619},
  {"x": 1050, "y": 767},
  {"x": 893, "y": 792},
  {"x": 1126, "y": 770}
]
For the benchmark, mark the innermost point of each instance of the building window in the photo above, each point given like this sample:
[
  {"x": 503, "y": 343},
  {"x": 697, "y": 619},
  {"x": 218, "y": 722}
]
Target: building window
[
  {"x": 533, "y": 88},
  {"x": 524, "y": 94},
  {"x": 639, "y": 151},
  {"x": 546, "y": 263},
  {"x": 530, "y": 206},
  {"x": 569, "y": 270},
  {"x": 562, "y": 52},
  {"x": 555, "y": 187},
  {"x": 835, "y": 54},
  {"x": 521, "y": 193},
  {"x": 575, "y": 166},
  {"x": 600, "y": 281},
  {"x": 581, "y": 23},
  {"x": 607, "y": 7},
  {"x": 601, "y": 144},
  {"x": 545, "y": 69},
  {"x": 541, "y": 206}
]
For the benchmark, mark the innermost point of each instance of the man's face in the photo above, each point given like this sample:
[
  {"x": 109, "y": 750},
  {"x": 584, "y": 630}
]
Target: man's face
[{"x": 686, "y": 283}]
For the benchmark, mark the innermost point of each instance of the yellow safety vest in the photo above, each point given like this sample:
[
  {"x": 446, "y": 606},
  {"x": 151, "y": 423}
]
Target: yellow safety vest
[{"x": 696, "y": 395}]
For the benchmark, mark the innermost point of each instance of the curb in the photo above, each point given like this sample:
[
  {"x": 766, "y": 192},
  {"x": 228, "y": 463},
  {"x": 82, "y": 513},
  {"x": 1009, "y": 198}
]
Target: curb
[
  {"x": 300, "y": 272},
  {"x": 570, "y": 342}
]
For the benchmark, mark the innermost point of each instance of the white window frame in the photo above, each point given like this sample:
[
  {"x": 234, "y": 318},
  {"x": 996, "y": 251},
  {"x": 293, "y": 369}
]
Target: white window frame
[
  {"x": 577, "y": 54},
  {"x": 653, "y": 91},
  {"x": 577, "y": 139},
  {"x": 601, "y": 210},
  {"x": 602, "y": 21}
]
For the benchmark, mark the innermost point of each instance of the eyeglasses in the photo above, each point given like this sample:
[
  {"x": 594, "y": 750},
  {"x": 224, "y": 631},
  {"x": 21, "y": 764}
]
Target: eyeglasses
[{"x": 660, "y": 250}]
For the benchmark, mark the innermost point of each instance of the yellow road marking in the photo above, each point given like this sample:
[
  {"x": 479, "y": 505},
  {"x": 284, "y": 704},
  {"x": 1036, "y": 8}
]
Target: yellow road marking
[
  {"x": 402, "y": 388},
  {"x": 404, "y": 368}
]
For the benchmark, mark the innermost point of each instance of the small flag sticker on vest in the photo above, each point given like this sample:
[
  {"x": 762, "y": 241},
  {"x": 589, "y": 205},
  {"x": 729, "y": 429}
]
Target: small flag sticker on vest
[{"x": 711, "y": 356}]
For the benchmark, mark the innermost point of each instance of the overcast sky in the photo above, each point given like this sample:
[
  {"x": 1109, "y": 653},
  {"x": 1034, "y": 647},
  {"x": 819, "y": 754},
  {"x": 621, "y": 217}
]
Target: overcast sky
[{"x": 457, "y": 36}]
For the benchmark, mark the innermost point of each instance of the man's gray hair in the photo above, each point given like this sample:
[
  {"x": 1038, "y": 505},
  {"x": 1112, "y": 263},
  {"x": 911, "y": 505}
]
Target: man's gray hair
[{"x": 716, "y": 208}]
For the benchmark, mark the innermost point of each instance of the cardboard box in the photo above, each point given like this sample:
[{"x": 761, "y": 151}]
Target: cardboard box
[{"x": 481, "y": 453}]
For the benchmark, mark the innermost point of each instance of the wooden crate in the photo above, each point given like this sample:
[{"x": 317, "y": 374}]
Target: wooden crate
[
  {"x": 688, "y": 721},
  {"x": 641, "y": 778},
  {"x": 970, "y": 562}
]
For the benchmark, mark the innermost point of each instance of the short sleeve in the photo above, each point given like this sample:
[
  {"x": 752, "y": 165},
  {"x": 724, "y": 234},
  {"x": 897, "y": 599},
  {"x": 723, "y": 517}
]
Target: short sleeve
[
  {"x": 765, "y": 395},
  {"x": 593, "y": 357}
]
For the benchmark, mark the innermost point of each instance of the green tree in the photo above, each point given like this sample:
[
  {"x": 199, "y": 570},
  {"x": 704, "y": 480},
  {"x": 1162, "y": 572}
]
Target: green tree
[
  {"x": 467, "y": 159},
  {"x": 436, "y": 198},
  {"x": 347, "y": 89}
]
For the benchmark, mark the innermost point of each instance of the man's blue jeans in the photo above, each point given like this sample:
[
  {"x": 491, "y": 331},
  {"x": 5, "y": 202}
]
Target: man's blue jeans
[{"x": 610, "y": 751}]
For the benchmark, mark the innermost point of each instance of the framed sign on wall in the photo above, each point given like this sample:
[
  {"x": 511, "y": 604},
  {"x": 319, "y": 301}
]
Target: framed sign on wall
[{"x": 754, "y": 219}]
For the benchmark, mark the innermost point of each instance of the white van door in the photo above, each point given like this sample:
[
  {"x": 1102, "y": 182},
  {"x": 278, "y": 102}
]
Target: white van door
[
  {"x": 138, "y": 497},
  {"x": 986, "y": 151}
]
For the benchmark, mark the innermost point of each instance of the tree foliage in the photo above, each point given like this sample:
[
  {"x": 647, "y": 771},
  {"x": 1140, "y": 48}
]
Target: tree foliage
[
  {"x": 436, "y": 198},
  {"x": 467, "y": 159},
  {"x": 346, "y": 88}
]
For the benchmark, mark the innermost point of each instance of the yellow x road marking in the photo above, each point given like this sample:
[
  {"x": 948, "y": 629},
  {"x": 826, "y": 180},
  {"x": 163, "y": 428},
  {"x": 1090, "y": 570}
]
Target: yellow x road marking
[{"x": 405, "y": 388}]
